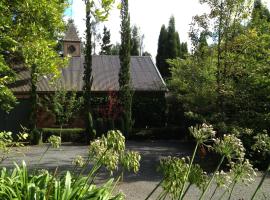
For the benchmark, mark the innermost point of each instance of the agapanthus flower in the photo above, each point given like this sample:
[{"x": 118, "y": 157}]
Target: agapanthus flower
[
  {"x": 79, "y": 161},
  {"x": 230, "y": 146},
  {"x": 202, "y": 133},
  {"x": 262, "y": 143},
  {"x": 243, "y": 171},
  {"x": 223, "y": 179},
  {"x": 55, "y": 141}
]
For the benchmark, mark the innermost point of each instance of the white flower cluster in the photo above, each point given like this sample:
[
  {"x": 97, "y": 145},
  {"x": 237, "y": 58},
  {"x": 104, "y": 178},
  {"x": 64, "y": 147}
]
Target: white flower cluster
[
  {"x": 174, "y": 171},
  {"x": 243, "y": 172},
  {"x": 55, "y": 141},
  {"x": 202, "y": 133},
  {"x": 230, "y": 146},
  {"x": 262, "y": 143},
  {"x": 110, "y": 151},
  {"x": 131, "y": 161},
  {"x": 223, "y": 179},
  {"x": 78, "y": 161}
]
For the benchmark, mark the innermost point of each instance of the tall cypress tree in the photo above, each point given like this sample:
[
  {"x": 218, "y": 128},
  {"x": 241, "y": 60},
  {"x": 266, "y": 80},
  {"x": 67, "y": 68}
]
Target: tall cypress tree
[
  {"x": 161, "y": 51},
  {"x": 125, "y": 91},
  {"x": 202, "y": 46},
  {"x": 135, "y": 41},
  {"x": 88, "y": 79},
  {"x": 183, "y": 50},
  {"x": 178, "y": 45},
  {"x": 260, "y": 17},
  {"x": 106, "y": 42},
  {"x": 171, "y": 40}
]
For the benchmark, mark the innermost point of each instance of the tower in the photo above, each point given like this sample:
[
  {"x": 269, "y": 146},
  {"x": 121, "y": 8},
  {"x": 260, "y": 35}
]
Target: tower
[{"x": 72, "y": 43}]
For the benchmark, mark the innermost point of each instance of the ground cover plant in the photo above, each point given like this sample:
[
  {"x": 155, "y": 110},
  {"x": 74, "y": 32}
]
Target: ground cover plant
[{"x": 108, "y": 151}]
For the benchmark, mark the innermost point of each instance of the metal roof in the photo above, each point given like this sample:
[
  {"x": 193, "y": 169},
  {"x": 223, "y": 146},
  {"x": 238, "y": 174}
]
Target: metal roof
[{"x": 105, "y": 69}]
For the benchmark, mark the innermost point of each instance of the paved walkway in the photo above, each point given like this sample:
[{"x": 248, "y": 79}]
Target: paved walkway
[{"x": 138, "y": 186}]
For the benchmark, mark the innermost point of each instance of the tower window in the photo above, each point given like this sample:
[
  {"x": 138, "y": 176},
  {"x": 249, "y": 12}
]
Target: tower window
[{"x": 71, "y": 49}]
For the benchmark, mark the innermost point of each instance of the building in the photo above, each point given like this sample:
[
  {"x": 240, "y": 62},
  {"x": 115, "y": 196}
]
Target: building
[{"x": 147, "y": 83}]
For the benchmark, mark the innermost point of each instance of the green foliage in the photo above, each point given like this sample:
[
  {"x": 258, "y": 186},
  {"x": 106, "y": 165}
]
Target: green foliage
[
  {"x": 106, "y": 42},
  {"x": 36, "y": 137},
  {"x": 125, "y": 90},
  {"x": 91, "y": 126},
  {"x": 20, "y": 184},
  {"x": 95, "y": 12},
  {"x": 161, "y": 51},
  {"x": 100, "y": 126},
  {"x": 111, "y": 125},
  {"x": 135, "y": 42},
  {"x": 63, "y": 105},
  {"x": 67, "y": 134},
  {"x": 225, "y": 83},
  {"x": 8, "y": 142},
  {"x": 109, "y": 151},
  {"x": 115, "y": 49},
  {"x": 169, "y": 47},
  {"x": 179, "y": 174},
  {"x": 55, "y": 141}
]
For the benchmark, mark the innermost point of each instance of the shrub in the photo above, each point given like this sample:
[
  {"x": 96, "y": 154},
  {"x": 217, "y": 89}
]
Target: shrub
[
  {"x": 92, "y": 131},
  {"x": 68, "y": 134},
  {"x": 111, "y": 125},
  {"x": 36, "y": 137},
  {"x": 100, "y": 126}
]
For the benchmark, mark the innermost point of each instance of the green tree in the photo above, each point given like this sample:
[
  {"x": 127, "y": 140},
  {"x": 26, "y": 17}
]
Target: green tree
[
  {"x": 106, "y": 42},
  {"x": 135, "y": 41},
  {"x": 211, "y": 73},
  {"x": 97, "y": 12},
  {"x": 32, "y": 28},
  {"x": 161, "y": 51},
  {"x": 125, "y": 90},
  {"x": 178, "y": 45},
  {"x": 183, "y": 50},
  {"x": 115, "y": 49},
  {"x": 260, "y": 17},
  {"x": 63, "y": 105},
  {"x": 171, "y": 46}
]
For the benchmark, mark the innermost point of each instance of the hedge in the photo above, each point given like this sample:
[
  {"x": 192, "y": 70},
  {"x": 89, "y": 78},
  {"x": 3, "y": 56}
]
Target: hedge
[{"x": 68, "y": 134}]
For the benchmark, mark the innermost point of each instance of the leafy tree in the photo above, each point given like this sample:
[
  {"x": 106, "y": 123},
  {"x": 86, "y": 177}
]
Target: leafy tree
[
  {"x": 106, "y": 42},
  {"x": 94, "y": 12},
  {"x": 231, "y": 71},
  {"x": 125, "y": 90},
  {"x": 135, "y": 41},
  {"x": 30, "y": 30},
  {"x": 63, "y": 106}
]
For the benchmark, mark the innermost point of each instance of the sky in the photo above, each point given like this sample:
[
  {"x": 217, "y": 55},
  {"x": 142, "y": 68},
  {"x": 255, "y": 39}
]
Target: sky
[{"x": 148, "y": 15}]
